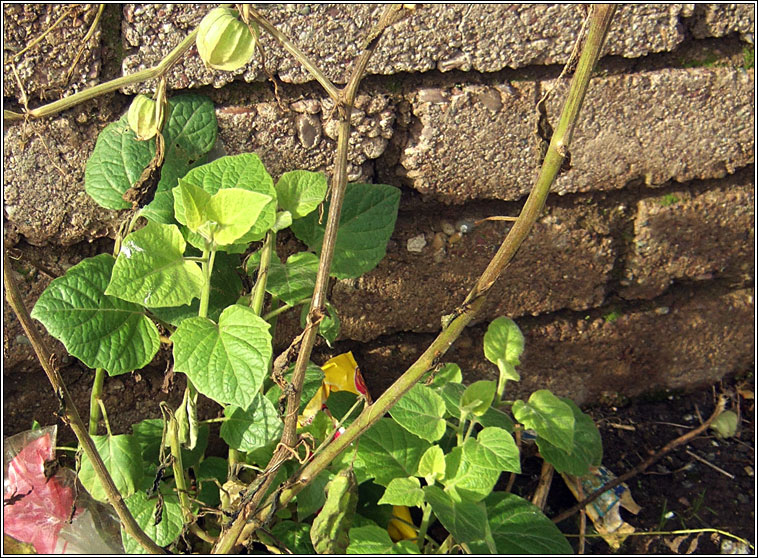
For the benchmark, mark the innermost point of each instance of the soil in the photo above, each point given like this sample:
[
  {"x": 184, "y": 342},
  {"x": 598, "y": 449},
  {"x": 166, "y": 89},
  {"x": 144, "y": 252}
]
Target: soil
[{"x": 678, "y": 492}]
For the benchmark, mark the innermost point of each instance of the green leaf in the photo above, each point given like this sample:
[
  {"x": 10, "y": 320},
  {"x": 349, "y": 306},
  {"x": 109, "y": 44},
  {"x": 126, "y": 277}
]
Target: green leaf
[
  {"x": 148, "y": 434},
  {"x": 339, "y": 403},
  {"x": 222, "y": 218},
  {"x": 466, "y": 521},
  {"x": 116, "y": 164},
  {"x": 300, "y": 192},
  {"x": 503, "y": 345},
  {"x": 725, "y": 425},
  {"x": 151, "y": 270},
  {"x": 403, "y": 492},
  {"x": 391, "y": 451},
  {"x": 190, "y": 133},
  {"x": 145, "y": 511},
  {"x": 470, "y": 472},
  {"x": 251, "y": 428},
  {"x": 100, "y": 330},
  {"x": 432, "y": 465},
  {"x": 295, "y": 536},
  {"x": 367, "y": 220},
  {"x": 496, "y": 417},
  {"x": 121, "y": 456},
  {"x": 294, "y": 281},
  {"x": 243, "y": 171},
  {"x": 587, "y": 448},
  {"x": 311, "y": 498},
  {"x": 210, "y": 469},
  {"x": 450, "y": 372},
  {"x": 372, "y": 540},
  {"x": 519, "y": 527},
  {"x": 451, "y": 393},
  {"x": 226, "y": 287},
  {"x": 329, "y": 327},
  {"x": 226, "y": 362},
  {"x": 283, "y": 220},
  {"x": 478, "y": 397},
  {"x": 550, "y": 417},
  {"x": 421, "y": 412},
  {"x": 499, "y": 449},
  {"x": 314, "y": 377}
]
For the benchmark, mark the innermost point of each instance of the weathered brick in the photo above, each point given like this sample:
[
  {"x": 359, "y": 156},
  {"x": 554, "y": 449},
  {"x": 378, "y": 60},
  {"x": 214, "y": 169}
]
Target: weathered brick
[
  {"x": 478, "y": 37},
  {"x": 685, "y": 236},
  {"x": 42, "y": 69},
  {"x": 648, "y": 127}
]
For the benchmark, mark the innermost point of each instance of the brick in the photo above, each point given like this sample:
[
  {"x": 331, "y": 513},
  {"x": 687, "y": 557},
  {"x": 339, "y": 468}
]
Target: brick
[{"x": 691, "y": 236}]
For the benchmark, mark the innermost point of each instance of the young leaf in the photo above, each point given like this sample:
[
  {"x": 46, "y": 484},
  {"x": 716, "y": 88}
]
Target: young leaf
[
  {"x": 520, "y": 527},
  {"x": 226, "y": 287},
  {"x": 151, "y": 270},
  {"x": 162, "y": 525},
  {"x": 300, "y": 192},
  {"x": 245, "y": 171},
  {"x": 550, "y": 417},
  {"x": 372, "y": 540},
  {"x": 466, "y": 521},
  {"x": 432, "y": 465},
  {"x": 470, "y": 471},
  {"x": 403, "y": 492},
  {"x": 391, "y": 451},
  {"x": 283, "y": 220},
  {"x": 294, "y": 281},
  {"x": 499, "y": 449},
  {"x": 251, "y": 428},
  {"x": 121, "y": 456},
  {"x": 503, "y": 345},
  {"x": 587, "y": 448},
  {"x": 367, "y": 220},
  {"x": 116, "y": 164},
  {"x": 100, "y": 330},
  {"x": 223, "y": 217},
  {"x": 421, "y": 412},
  {"x": 226, "y": 362},
  {"x": 478, "y": 397},
  {"x": 450, "y": 372}
]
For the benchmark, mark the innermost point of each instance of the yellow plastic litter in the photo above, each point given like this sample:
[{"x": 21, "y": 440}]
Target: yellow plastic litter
[
  {"x": 341, "y": 373},
  {"x": 401, "y": 526}
]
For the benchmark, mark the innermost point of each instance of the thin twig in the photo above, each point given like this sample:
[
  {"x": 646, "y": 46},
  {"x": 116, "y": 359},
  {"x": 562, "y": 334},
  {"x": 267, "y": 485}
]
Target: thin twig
[
  {"x": 70, "y": 412},
  {"x": 644, "y": 465},
  {"x": 86, "y": 39},
  {"x": 711, "y": 465},
  {"x": 44, "y": 34}
]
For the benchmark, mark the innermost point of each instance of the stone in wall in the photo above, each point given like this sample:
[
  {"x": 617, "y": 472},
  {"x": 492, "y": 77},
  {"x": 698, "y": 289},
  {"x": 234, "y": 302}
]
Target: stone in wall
[
  {"x": 302, "y": 134},
  {"x": 444, "y": 37},
  {"x": 692, "y": 236},
  {"x": 690, "y": 339},
  {"x": 718, "y": 20},
  {"x": 43, "y": 68},
  {"x": 561, "y": 265},
  {"x": 43, "y": 181},
  {"x": 479, "y": 142}
]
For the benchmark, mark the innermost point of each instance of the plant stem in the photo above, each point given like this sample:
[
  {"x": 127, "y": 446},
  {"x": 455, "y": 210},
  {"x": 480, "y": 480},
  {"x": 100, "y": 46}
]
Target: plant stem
[
  {"x": 176, "y": 464},
  {"x": 95, "y": 395},
  {"x": 105, "y": 417},
  {"x": 269, "y": 317},
  {"x": 259, "y": 290},
  {"x": 600, "y": 21},
  {"x": 209, "y": 254},
  {"x": 148, "y": 73},
  {"x": 70, "y": 413},
  {"x": 298, "y": 54},
  {"x": 426, "y": 520}
]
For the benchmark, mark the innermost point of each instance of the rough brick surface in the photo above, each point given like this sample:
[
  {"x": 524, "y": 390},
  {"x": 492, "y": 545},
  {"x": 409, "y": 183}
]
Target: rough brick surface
[
  {"x": 717, "y": 20},
  {"x": 682, "y": 236},
  {"x": 42, "y": 69},
  {"x": 479, "y": 142},
  {"x": 684, "y": 341},
  {"x": 562, "y": 265},
  {"x": 43, "y": 182},
  {"x": 478, "y": 37}
]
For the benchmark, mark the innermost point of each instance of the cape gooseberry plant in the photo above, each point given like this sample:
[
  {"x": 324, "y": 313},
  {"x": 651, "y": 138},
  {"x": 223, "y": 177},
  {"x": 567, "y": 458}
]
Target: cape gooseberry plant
[{"x": 199, "y": 231}]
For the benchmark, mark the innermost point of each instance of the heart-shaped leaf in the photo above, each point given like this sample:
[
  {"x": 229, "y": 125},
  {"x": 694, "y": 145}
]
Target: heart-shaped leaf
[
  {"x": 550, "y": 417},
  {"x": 226, "y": 362},
  {"x": 151, "y": 270},
  {"x": 421, "y": 412},
  {"x": 300, "y": 192},
  {"x": 253, "y": 427},
  {"x": 503, "y": 345},
  {"x": 162, "y": 522},
  {"x": 100, "y": 330},
  {"x": 123, "y": 459}
]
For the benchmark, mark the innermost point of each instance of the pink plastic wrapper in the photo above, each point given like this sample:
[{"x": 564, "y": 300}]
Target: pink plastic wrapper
[{"x": 46, "y": 510}]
